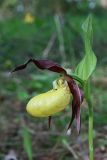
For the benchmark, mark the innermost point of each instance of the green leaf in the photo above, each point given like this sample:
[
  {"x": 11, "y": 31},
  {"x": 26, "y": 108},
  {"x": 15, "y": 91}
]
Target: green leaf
[
  {"x": 87, "y": 65},
  {"x": 27, "y": 143}
]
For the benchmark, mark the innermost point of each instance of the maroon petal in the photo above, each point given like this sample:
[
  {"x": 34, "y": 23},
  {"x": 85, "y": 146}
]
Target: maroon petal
[
  {"x": 49, "y": 121},
  {"x": 77, "y": 100},
  {"x": 42, "y": 64}
]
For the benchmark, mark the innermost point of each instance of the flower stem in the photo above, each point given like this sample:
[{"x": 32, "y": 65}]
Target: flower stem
[{"x": 90, "y": 128}]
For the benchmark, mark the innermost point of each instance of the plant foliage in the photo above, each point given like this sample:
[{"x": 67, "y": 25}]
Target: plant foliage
[{"x": 88, "y": 63}]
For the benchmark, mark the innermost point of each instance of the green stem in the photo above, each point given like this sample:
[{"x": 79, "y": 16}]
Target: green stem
[{"x": 90, "y": 129}]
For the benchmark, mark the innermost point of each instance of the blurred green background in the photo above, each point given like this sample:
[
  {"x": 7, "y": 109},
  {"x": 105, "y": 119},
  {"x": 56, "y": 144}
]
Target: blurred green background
[{"x": 47, "y": 29}]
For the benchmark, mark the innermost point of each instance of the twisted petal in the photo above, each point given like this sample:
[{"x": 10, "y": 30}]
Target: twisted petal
[
  {"x": 77, "y": 100},
  {"x": 49, "y": 121},
  {"x": 42, "y": 64}
]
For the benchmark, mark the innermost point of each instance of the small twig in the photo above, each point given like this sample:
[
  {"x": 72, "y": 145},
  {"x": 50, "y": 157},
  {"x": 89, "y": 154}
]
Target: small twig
[
  {"x": 70, "y": 149},
  {"x": 60, "y": 35},
  {"x": 49, "y": 46}
]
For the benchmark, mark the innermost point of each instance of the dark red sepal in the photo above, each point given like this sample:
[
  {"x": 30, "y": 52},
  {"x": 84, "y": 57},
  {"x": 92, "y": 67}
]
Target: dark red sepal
[
  {"x": 76, "y": 102},
  {"x": 49, "y": 121},
  {"x": 42, "y": 64}
]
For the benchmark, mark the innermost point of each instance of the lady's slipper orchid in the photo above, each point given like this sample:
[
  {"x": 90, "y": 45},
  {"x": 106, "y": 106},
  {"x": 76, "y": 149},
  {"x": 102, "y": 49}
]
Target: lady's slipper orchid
[{"x": 55, "y": 100}]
